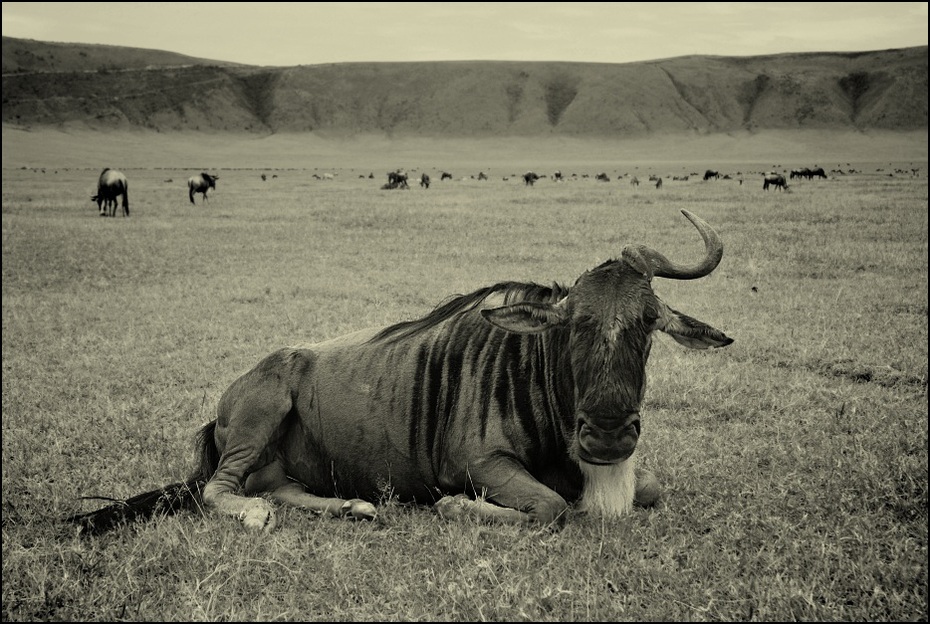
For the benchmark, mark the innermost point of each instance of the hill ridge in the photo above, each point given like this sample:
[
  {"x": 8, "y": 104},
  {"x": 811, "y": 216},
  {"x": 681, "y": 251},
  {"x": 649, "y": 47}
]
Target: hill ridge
[{"x": 114, "y": 88}]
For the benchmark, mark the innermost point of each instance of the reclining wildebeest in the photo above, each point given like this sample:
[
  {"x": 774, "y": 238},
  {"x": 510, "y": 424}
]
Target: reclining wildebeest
[
  {"x": 110, "y": 185},
  {"x": 508, "y": 404}
]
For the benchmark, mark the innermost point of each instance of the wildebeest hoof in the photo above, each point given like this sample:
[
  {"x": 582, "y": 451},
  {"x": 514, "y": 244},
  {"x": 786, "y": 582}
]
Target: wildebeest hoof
[
  {"x": 452, "y": 506},
  {"x": 259, "y": 516},
  {"x": 648, "y": 489},
  {"x": 357, "y": 509}
]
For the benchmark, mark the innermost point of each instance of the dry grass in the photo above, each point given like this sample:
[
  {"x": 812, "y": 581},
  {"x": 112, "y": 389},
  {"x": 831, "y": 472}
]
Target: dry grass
[{"x": 794, "y": 461}]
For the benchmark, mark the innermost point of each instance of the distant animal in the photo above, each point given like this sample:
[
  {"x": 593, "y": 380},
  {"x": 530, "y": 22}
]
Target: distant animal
[
  {"x": 397, "y": 178},
  {"x": 445, "y": 176},
  {"x": 506, "y": 404},
  {"x": 390, "y": 186},
  {"x": 424, "y": 180},
  {"x": 602, "y": 177},
  {"x": 774, "y": 179},
  {"x": 557, "y": 176},
  {"x": 800, "y": 173},
  {"x": 264, "y": 177},
  {"x": 658, "y": 183},
  {"x": 482, "y": 175},
  {"x": 634, "y": 181},
  {"x": 201, "y": 183},
  {"x": 711, "y": 174},
  {"x": 818, "y": 172},
  {"x": 110, "y": 185},
  {"x": 529, "y": 178}
]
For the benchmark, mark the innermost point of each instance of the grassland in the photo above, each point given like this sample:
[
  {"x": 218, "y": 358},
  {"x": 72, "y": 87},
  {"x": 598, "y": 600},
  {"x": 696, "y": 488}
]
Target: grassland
[{"x": 794, "y": 461}]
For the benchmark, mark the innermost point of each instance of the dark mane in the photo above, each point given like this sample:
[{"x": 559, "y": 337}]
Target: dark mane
[{"x": 460, "y": 304}]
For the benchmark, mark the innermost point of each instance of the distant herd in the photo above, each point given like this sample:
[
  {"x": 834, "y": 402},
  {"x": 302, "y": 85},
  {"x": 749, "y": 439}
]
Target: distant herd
[{"x": 112, "y": 185}]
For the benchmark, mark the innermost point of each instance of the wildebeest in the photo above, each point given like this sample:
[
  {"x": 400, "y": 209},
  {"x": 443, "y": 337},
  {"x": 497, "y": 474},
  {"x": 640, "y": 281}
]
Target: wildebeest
[
  {"x": 529, "y": 178},
  {"x": 557, "y": 176},
  {"x": 658, "y": 183},
  {"x": 201, "y": 183},
  {"x": 711, "y": 174},
  {"x": 634, "y": 181},
  {"x": 602, "y": 177},
  {"x": 110, "y": 185},
  {"x": 808, "y": 173},
  {"x": 508, "y": 403},
  {"x": 445, "y": 176},
  {"x": 424, "y": 180},
  {"x": 774, "y": 179},
  {"x": 397, "y": 179},
  {"x": 482, "y": 175}
]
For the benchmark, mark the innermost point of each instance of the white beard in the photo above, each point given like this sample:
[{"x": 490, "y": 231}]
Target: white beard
[{"x": 609, "y": 490}]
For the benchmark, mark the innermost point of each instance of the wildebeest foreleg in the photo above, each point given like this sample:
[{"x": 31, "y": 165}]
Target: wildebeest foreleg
[
  {"x": 461, "y": 505},
  {"x": 513, "y": 495}
]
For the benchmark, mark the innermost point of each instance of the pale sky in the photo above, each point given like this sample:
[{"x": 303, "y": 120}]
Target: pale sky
[{"x": 288, "y": 34}]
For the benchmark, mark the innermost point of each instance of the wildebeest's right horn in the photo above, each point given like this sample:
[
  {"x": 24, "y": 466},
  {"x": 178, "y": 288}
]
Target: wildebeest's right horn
[{"x": 663, "y": 267}]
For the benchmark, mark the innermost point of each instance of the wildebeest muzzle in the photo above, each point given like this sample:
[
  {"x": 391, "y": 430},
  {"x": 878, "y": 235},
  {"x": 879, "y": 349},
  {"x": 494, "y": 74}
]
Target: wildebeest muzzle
[{"x": 606, "y": 440}]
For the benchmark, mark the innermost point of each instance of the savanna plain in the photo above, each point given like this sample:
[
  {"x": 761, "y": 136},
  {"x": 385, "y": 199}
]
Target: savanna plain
[{"x": 793, "y": 462}]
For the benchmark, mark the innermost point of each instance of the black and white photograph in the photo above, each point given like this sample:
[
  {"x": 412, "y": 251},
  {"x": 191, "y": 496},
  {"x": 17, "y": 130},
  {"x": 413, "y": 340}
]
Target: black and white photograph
[{"x": 459, "y": 312}]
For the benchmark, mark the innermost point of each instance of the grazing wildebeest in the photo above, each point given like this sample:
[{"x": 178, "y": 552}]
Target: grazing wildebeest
[
  {"x": 110, "y": 185},
  {"x": 445, "y": 176},
  {"x": 201, "y": 183},
  {"x": 800, "y": 173},
  {"x": 264, "y": 177},
  {"x": 818, "y": 172},
  {"x": 508, "y": 403},
  {"x": 602, "y": 177},
  {"x": 774, "y": 179},
  {"x": 711, "y": 174},
  {"x": 424, "y": 180},
  {"x": 658, "y": 183},
  {"x": 634, "y": 181},
  {"x": 557, "y": 176},
  {"x": 482, "y": 175},
  {"x": 397, "y": 179},
  {"x": 529, "y": 178}
]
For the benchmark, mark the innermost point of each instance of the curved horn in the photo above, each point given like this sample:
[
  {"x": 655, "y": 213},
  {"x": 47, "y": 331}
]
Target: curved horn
[{"x": 663, "y": 267}]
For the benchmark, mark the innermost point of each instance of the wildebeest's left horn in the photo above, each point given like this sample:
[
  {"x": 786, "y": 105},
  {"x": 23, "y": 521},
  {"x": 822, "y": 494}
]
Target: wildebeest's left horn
[{"x": 663, "y": 267}]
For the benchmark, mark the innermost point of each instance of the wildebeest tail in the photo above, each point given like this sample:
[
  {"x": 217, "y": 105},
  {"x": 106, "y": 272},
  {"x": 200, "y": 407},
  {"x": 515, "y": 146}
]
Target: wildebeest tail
[{"x": 163, "y": 501}]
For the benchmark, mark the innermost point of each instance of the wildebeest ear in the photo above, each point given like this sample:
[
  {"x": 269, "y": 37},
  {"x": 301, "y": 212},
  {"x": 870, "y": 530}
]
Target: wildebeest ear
[
  {"x": 527, "y": 317},
  {"x": 691, "y": 332}
]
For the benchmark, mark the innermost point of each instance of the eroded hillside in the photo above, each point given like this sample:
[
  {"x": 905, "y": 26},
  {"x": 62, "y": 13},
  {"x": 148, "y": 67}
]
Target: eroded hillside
[{"x": 871, "y": 90}]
